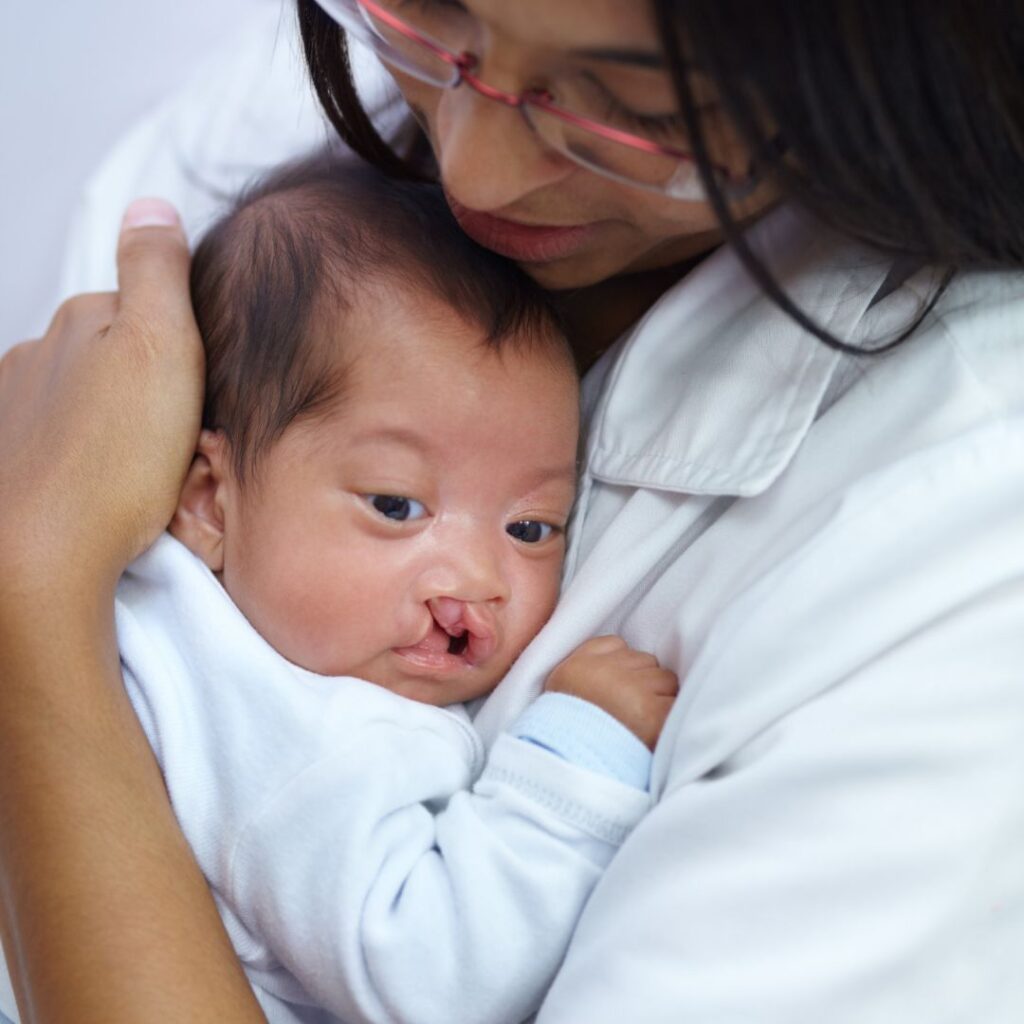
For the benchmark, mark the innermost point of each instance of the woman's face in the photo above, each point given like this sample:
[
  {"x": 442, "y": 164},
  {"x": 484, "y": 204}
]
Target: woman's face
[{"x": 502, "y": 181}]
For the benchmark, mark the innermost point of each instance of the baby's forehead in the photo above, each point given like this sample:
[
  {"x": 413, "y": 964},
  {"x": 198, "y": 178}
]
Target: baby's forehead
[
  {"x": 399, "y": 345},
  {"x": 400, "y": 357},
  {"x": 295, "y": 292}
]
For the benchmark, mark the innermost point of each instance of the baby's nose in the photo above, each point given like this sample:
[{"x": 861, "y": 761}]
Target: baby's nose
[{"x": 469, "y": 569}]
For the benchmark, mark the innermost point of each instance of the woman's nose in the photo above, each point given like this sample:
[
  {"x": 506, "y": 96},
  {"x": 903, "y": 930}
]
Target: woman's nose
[{"x": 489, "y": 157}]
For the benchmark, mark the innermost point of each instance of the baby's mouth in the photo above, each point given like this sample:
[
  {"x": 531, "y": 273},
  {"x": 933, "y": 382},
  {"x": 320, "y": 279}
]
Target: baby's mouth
[
  {"x": 459, "y": 636},
  {"x": 470, "y": 628},
  {"x": 457, "y": 644}
]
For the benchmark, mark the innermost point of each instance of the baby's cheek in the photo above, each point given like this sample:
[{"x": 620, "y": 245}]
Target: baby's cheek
[
  {"x": 539, "y": 597},
  {"x": 319, "y": 630},
  {"x": 277, "y": 594}
]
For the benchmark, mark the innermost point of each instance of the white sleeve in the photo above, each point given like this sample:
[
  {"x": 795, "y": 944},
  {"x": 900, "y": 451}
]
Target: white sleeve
[
  {"x": 858, "y": 858},
  {"x": 8, "y": 1005},
  {"x": 392, "y": 897},
  {"x": 246, "y": 108}
]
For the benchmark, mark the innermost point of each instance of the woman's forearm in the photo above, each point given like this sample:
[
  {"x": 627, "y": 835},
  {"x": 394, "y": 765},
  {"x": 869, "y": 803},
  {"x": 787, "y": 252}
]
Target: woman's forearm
[{"x": 105, "y": 915}]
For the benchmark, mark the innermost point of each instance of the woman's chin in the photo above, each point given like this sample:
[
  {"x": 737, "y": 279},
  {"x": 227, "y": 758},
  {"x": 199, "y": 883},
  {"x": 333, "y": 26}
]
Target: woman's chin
[{"x": 577, "y": 271}]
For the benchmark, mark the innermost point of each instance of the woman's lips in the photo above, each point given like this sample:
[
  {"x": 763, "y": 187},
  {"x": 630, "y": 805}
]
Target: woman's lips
[{"x": 526, "y": 243}]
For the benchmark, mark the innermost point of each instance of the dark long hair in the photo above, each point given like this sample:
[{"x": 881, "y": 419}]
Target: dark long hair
[{"x": 902, "y": 120}]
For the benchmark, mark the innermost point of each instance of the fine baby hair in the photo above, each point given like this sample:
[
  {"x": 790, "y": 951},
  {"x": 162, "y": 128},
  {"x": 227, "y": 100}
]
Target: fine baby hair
[{"x": 272, "y": 279}]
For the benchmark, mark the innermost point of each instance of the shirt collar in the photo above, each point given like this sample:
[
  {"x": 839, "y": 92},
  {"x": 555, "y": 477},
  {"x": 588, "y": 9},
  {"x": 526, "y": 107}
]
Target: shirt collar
[{"x": 714, "y": 390}]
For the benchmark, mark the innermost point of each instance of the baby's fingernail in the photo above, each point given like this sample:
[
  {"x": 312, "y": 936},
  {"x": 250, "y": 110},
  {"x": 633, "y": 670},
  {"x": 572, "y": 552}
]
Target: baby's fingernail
[{"x": 150, "y": 213}]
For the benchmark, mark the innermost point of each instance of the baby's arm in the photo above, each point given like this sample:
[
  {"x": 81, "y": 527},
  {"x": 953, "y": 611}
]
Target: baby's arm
[{"x": 393, "y": 892}]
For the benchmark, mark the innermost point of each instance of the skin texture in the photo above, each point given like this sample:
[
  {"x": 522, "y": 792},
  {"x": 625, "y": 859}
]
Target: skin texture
[
  {"x": 87, "y": 837},
  {"x": 491, "y": 162},
  {"x": 340, "y": 589},
  {"x": 475, "y": 439},
  {"x": 98, "y": 424},
  {"x": 630, "y": 684}
]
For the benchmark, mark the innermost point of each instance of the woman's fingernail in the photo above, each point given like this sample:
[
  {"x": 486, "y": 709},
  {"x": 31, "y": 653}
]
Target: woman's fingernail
[{"x": 150, "y": 213}]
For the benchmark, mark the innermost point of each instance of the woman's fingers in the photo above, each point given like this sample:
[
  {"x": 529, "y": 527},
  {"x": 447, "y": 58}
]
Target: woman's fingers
[
  {"x": 94, "y": 311},
  {"x": 153, "y": 264},
  {"x": 98, "y": 418}
]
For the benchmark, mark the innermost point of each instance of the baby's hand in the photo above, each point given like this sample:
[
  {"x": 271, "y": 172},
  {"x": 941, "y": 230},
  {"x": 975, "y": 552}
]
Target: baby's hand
[{"x": 630, "y": 685}]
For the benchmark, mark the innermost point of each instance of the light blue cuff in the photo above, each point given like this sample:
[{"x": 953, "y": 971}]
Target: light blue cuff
[{"x": 578, "y": 731}]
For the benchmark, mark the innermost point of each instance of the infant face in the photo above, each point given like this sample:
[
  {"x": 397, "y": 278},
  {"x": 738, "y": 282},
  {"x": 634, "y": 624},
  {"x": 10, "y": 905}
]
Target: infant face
[{"x": 414, "y": 535}]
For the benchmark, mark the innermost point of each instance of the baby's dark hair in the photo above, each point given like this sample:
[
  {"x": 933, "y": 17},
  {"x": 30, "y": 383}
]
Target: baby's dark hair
[{"x": 307, "y": 238}]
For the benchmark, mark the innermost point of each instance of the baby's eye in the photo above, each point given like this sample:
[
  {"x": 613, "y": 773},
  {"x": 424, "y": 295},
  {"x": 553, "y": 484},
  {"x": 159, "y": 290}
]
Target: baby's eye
[
  {"x": 530, "y": 531},
  {"x": 394, "y": 506}
]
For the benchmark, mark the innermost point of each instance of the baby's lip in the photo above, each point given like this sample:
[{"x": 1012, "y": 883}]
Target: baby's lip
[
  {"x": 434, "y": 651},
  {"x": 469, "y": 621}
]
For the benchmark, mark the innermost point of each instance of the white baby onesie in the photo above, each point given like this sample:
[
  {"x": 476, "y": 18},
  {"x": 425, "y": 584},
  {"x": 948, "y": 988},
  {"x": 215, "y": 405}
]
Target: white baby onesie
[{"x": 367, "y": 857}]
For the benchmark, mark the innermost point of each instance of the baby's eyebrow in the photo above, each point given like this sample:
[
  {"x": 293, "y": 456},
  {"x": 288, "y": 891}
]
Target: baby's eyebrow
[
  {"x": 393, "y": 435},
  {"x": 565, "y": 473}
]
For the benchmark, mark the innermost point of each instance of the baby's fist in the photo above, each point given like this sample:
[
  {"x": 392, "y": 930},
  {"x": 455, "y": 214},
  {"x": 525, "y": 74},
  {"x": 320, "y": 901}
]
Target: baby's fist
[{"x": 630, "y": 685}]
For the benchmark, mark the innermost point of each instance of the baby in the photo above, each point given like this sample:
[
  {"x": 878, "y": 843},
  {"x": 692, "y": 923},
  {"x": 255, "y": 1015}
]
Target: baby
[{"x": 371, "y": 532}]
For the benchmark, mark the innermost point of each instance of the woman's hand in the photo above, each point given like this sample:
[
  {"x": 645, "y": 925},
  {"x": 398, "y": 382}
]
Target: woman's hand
[
  {"x": 104, "y": 914},
  {"x": 98, "y": 420}
]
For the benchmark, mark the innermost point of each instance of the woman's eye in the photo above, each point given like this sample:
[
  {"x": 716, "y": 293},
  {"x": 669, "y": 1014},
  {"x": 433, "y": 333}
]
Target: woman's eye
[
  {"x": 394, "y": 506},
  {"x": 588, "y": 94},
  {"x": 454, "y": 6},
  {"x": 530, "y": 531}
]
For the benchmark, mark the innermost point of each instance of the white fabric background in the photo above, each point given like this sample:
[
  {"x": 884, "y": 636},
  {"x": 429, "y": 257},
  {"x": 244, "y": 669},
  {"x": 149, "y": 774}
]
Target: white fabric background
[{"x": 73, "y": 77}]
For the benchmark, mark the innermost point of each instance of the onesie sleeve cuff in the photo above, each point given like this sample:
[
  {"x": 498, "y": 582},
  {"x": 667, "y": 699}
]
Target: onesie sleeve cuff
[
  {"x": 582, "y": 733},
  {"x": 561, "y": 794}
]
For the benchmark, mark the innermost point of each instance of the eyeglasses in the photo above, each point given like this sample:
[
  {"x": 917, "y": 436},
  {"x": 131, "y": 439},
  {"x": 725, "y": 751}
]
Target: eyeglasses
[{"x": 575, "y": 117}]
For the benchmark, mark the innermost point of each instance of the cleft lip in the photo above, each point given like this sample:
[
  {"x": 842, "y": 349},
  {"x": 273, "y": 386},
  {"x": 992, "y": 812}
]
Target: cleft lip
[
  {"x": 458, "y": 644},
  {"x": 480, "y": 648},
  {"x": 471, "y": 625}
]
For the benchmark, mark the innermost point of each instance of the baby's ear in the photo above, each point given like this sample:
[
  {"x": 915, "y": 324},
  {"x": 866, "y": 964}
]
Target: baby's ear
[{"x": 199, "y": 518}]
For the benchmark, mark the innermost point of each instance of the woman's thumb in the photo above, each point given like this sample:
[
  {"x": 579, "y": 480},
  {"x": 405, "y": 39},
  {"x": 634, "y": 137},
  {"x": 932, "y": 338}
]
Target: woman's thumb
[{"x": 153, "y": 262}]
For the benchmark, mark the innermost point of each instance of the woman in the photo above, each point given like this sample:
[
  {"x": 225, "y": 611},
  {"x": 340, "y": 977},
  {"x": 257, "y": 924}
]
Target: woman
[{"x": 827, "y": 547}]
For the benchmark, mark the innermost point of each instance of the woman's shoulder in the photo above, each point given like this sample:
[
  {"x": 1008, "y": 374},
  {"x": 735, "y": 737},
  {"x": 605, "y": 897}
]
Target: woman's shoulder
[
  {"x": 926, "y": 441},
  {"x": 958, "y": 379},
  {"x": 981, "y": 321},
  {"x": 245, "y": 109}
]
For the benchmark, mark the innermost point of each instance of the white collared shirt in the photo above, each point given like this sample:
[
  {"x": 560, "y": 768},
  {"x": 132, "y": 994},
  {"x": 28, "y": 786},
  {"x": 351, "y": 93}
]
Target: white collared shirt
[
  {"x": 367, "y": 858},
  {"x": 830, "y": 552}
]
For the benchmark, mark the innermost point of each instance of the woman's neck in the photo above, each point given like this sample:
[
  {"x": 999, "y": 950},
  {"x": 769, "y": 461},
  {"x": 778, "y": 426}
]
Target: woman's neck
[{"x": 598, "y": 315}]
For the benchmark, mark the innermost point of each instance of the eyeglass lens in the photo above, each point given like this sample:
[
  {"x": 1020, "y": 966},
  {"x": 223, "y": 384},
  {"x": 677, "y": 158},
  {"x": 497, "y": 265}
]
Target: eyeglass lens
[{"x": 433, "y": 27}]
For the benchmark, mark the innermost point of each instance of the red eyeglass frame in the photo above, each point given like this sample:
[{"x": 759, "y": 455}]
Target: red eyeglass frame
[{"x": 464, "y": 63}]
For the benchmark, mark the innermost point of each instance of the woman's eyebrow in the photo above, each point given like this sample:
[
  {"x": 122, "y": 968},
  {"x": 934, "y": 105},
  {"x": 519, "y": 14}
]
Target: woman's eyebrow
[{"x": 635, "y": 58}]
